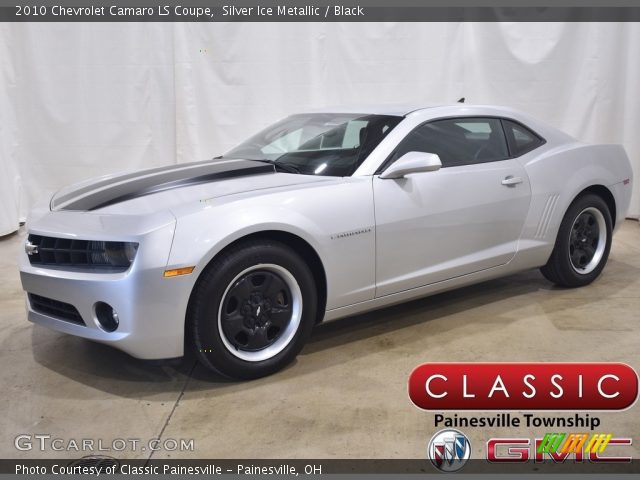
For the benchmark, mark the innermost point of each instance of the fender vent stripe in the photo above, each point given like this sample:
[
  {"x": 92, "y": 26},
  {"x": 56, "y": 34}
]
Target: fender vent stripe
[{"x": 545, "y": 219}]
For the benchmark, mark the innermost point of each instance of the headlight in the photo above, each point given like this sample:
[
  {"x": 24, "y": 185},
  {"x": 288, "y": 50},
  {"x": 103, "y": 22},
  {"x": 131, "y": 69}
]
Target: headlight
[{"x": 113, "y": 254}]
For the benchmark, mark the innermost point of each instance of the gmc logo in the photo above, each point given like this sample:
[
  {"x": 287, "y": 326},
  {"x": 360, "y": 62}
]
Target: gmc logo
[{"x": 520, "y": 450}]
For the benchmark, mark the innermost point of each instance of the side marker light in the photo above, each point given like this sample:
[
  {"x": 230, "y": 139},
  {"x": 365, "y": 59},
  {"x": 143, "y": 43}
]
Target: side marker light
[{"x": 178, "y": 271}]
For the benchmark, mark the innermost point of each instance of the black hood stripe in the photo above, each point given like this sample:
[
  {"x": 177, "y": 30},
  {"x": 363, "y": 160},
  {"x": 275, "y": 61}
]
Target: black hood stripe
[
  {"x": 77, "y": 192},
  {"x": 130, "y": 186}
]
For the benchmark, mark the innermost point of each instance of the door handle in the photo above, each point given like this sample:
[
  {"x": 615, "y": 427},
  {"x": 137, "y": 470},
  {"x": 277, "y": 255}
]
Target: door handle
[{"x": 511, "y": 181}]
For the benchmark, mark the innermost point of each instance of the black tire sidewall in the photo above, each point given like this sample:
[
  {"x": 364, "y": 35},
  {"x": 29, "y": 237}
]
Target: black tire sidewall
[
  {"x": 561, "y": 252},
  {"x": 209, "y": 292}
]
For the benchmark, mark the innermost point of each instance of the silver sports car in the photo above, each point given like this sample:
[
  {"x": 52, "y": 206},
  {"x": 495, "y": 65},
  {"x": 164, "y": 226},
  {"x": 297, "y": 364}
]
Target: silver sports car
[{"x": 319, "y": 216}]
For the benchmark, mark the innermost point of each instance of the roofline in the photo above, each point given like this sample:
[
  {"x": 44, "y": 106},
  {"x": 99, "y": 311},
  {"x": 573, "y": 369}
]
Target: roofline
[{"x": 399, "y": 110}]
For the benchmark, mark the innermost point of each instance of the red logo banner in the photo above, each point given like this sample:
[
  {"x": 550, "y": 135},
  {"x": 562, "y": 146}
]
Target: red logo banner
[{"x": 523, "y": 386}]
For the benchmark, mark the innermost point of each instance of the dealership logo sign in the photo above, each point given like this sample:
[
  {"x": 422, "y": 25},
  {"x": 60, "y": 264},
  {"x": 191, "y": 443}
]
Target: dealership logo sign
[
  {"x": 559, "y": 447},
  {"x": 449, "y": 450},
  {"x": 523, "y": 386}
]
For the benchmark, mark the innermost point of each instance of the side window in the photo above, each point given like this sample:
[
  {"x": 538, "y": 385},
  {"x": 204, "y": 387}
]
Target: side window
[
  {"x": 458, "y": 141},
  {"x": 521, "y": 139}
]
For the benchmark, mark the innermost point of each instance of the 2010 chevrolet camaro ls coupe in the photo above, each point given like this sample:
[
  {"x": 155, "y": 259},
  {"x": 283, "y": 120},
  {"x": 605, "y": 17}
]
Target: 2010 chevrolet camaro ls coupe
[{"x": 320, "y": 216}]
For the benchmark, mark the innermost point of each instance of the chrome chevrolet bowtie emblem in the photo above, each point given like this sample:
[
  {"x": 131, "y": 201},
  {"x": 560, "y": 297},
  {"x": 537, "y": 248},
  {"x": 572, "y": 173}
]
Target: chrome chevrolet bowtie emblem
[{"x": 30, "y": 248}]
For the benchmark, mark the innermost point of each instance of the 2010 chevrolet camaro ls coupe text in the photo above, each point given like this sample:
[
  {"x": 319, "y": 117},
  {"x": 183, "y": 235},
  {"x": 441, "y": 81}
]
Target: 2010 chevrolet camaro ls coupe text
[{"x": 320, "y": 216}]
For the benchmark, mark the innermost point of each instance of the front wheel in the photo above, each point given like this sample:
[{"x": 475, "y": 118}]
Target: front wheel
[
  {"x": 252, "y": 310},
  {"x": 583, "y": 243}
]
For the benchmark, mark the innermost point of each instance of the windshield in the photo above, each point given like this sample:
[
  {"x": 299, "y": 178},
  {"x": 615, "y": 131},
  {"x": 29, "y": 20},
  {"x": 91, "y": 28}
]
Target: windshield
[{"x": 333, "y": 144}]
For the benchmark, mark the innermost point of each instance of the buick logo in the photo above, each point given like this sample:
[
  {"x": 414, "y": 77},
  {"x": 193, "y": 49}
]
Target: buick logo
[
  {"x": 449, "y": 450},
  {"x": 30, "y": 248}
]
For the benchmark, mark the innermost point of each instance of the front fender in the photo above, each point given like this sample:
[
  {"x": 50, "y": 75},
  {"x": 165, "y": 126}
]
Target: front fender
[{"x": 336, "y": 220}]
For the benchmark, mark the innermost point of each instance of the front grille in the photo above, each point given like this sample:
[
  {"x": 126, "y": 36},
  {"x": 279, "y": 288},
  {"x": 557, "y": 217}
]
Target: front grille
[
  {"x": 83, "y": 254},
  {"x": 55, "y": 308}
]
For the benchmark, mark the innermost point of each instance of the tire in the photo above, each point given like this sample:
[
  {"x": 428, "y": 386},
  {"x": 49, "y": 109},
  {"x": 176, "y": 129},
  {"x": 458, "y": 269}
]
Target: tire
[
  {"x": 582, "y": 245},
  {"x": 252, "y": 310}
]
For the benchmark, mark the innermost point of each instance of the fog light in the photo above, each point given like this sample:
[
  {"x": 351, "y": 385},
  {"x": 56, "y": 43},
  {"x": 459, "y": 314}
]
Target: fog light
[{"x": 107, "y": 316}]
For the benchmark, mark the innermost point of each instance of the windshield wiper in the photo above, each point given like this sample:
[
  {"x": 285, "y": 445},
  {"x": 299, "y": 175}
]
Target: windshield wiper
[{"x": 287, "y": 167}]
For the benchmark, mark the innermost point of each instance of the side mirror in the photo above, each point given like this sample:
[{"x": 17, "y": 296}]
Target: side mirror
[{"x": 412, "y": 162}]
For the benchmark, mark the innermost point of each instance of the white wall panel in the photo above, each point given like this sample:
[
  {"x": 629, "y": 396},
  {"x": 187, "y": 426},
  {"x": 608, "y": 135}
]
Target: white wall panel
[{"x": 79, "y": 100}]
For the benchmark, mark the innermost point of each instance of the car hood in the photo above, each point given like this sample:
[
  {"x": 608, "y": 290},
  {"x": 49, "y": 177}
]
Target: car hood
[{"x": 163, "y": 188}]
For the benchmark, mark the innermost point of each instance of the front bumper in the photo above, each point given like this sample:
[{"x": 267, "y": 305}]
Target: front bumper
[{"x": 150, "y": 307}]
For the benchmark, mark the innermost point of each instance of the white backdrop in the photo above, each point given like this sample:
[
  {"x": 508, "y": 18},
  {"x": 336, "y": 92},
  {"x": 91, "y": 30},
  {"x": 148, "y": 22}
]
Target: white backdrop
[{"x": 80, "y": 100}]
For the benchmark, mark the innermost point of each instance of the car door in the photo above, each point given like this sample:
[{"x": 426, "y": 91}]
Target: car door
[{"x": 465, "y": 217}]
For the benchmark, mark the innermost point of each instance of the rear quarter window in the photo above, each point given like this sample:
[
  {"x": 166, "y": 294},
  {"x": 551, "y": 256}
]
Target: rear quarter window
[{"x": 521, "y": 140}]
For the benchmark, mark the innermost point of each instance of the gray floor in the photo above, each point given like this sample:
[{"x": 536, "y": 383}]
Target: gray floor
[{"x": 344, "y": 397}]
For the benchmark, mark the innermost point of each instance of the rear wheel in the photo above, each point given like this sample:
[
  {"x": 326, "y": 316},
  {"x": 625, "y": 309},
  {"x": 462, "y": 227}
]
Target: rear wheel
[
  {"x": 253, "y": 309},
  {"x": 583, "y": 243}
]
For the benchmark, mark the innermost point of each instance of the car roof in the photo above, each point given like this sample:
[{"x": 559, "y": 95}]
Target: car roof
[
  {"x": 427, "y": 112},
  {"x": 380, "y": 109},
  {"x": 402, "y": 110}
]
